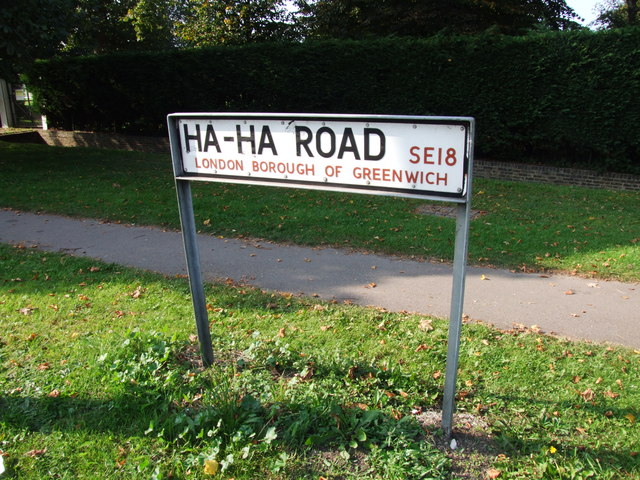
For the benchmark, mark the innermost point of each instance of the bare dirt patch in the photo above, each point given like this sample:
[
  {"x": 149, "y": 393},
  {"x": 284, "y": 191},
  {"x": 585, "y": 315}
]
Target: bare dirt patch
[
  {"x": 475, "y": 450},
  {"x": 446, "y": 211}
]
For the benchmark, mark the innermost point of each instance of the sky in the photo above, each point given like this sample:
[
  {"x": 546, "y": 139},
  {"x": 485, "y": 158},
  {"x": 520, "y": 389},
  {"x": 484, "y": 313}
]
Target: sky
[{"x": 584, "y": 8}]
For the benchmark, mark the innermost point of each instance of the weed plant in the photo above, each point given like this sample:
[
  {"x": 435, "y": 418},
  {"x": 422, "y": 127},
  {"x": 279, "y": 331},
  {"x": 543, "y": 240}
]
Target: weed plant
[
  {"x": 521, "y": 226},
  {"x": 100, "y": 377}
]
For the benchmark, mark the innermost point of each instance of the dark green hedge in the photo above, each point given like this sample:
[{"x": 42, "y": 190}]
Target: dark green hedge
[{"x": 569, "y": 96}]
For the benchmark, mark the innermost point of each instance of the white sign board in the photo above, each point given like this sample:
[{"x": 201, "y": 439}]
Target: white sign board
[{"x": 407, "y": 156}]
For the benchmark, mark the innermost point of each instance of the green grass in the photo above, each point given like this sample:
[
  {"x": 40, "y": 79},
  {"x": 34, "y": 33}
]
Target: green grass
[
  {"x": 100, "y": 378},
  {"x": 526, "y": 227}
]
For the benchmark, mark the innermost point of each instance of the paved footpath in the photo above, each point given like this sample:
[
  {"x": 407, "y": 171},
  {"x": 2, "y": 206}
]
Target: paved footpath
[{"x": 569, "y": 306}]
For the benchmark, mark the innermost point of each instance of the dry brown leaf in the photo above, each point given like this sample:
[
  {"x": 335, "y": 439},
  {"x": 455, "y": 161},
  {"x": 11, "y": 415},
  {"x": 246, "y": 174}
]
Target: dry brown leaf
[
  {"x": 36, "y": 452},
  {"x": 587, "y": 395},
  {"x": 54, "y": 393},
  {"x": 137, "y": 292},
  {"x": 492, "y": 473},
  {"x": 425, "y": 325},
  {"x": 282, "y": 332},
  {"x": 569, "y": 292}
]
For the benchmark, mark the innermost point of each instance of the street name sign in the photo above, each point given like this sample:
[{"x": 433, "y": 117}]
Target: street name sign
[{"x": 407, "y": 156}]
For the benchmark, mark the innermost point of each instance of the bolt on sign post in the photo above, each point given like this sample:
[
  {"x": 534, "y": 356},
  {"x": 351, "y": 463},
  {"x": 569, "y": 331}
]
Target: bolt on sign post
[{"x": 421, "y": 157}]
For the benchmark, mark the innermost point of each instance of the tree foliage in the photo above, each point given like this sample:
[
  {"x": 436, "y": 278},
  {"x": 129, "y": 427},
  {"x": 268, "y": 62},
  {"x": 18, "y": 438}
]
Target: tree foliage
[
  {"x": 207, "y": 23},
  {"x": 617, "y": 13},
  {"x": 362, "y": 18},
  {"x": 30, "y": 29}
]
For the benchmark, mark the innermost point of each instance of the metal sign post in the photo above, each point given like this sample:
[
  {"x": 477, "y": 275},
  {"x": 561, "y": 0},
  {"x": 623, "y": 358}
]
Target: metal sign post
[{"x": 420, "y": 157}]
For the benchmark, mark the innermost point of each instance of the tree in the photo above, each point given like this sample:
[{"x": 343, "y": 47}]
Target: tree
[
  {"x": 30, "y": 29},
  {"x": 208, "y": 23},
  {"x": 617, "y": 13},
  {"x": 154, "y": 22},
  {"x": 358, "y": 18},
  {"x": 101, "y": 26}
]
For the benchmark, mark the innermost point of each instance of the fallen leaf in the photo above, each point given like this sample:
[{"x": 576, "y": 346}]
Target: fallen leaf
[
  {"x": 94, "y": 269},
  {"x": 54, "y": 393},
  {"x": 371, "y": 285},
  {"x": 484, "y": 277},
  {"x": 211, "y": 467},
  {"x": 569, "y": 292},
  {"x": 44, "y": 366},
  {"x": 425, "y": 325},
  {"x": 36, "y": 452},
  {"x": 282, "y": 332},
  {"x": 631, "y": 417},
  {"x": 587, "y": 395},
  {"x": 137, "y": 292},
  {"x": 421, "y": 347},
  {"x": 610, "y": 394},
  {"x": 492, "y": 473}
]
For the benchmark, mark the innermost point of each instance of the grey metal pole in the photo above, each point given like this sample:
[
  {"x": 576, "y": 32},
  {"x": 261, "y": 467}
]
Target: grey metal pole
[
  {"x": 455, "y": 318},
  {"x": 463, "y": 221},
  {"x": 192, "y": 253}
]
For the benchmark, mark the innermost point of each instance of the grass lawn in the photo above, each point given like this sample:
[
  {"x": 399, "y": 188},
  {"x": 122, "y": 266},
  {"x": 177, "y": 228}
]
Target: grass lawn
[
  {"x": 100, "y": 374},
  {"x": 523, "y": 226},
  {"x": 100, "y": 378}
]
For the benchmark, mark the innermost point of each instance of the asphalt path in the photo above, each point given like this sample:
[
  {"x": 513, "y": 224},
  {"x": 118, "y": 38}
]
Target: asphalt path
[{"x": 567, "y": 306}]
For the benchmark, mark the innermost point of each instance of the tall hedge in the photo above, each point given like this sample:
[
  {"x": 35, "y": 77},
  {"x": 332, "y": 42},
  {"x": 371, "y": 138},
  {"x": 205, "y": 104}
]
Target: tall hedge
[{"x": 572, "y": 96}]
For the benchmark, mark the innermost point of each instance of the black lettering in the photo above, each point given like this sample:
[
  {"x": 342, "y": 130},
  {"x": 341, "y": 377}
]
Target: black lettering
[
  {"x": 211, "y": 139},
  {"x": 196, "y": 137},
  {"x": 251, "y": 139},
  {"x": 266, "y": 141},
  {"x": 367, "y": 144},
  {"x": 351, "y": 147},
  {"x": 303, "y": 142},
  {"x": 332, "y": 142}
]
